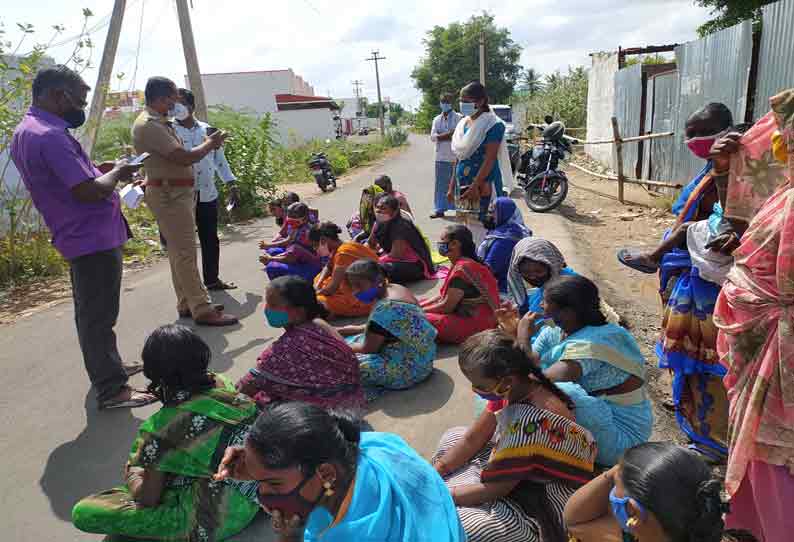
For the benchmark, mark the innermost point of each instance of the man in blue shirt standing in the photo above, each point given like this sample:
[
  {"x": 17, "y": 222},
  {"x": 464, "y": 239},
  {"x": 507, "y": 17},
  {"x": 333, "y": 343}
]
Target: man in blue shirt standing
[{"x": 441, "y": 134}]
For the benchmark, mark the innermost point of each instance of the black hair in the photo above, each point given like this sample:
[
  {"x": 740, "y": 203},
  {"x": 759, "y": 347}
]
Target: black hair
[
  {"x": 678, "y": 487},
  {"x": 176, "y": 359},
  {"x": 365, "y": 270},
  {"x": 447, "y": 97},
  {"x": 495, "y": 355},
  {"x": 326, "y": 229},
  {"x": 459, "y": 232},
  {"x": 475, "y": 90},
  {"x": 388, "y": 201},
  {"x": 188, "y": 96},
  {"x": 158, "y": 87},
  {"x": 57, "y": 77},
  {"x": 579, "y": 294},
  {"x": 303, "y": 435},
  {"x": 715, "y": 112},
  {"x": 548, "y": 119},
  {"x": 298, "y": 209},
  {"x": 298, "y": 292},
  {"x": 384, "y": 181},
  {"x": 289, "y": 198}
]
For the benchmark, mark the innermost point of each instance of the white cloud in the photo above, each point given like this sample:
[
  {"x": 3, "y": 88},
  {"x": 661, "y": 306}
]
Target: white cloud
[{"x": 327, "y": 41}]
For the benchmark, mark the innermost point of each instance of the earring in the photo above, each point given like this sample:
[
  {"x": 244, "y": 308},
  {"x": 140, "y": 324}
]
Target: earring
[
  {"x": 329, "y": 491},
  {"x": 632, "y": 522}
]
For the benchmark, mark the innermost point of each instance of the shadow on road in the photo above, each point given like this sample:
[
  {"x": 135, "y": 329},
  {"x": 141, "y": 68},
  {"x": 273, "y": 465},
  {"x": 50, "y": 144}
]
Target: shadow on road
[
  {"x": 92, "y": 462},
  {"x": 429, "y": 396}
]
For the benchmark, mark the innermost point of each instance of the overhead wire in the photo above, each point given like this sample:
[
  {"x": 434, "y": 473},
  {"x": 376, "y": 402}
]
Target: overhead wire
[{"x": 138, "y": 49}]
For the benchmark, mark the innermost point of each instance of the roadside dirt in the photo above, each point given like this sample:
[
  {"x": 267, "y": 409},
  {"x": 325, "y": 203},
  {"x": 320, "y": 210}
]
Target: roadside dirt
[{"x": 600, "y": 226}]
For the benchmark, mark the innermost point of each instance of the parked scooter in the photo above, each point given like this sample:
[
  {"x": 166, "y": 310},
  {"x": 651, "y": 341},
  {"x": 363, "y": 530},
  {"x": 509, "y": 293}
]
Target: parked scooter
[
  {"x": 321, "y": 169},
  {"x": 545, "y": 184}
]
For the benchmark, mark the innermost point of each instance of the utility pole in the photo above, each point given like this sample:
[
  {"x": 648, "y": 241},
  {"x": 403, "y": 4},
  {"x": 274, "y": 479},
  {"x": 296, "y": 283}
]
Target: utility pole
[
  {"x": 103, "y": 77},
  {"x": 191, "y": 59},
  {"x": 482, "y": 58},
  {"x": 375, "y": 57},
  {"x": 357, "y": 89}
]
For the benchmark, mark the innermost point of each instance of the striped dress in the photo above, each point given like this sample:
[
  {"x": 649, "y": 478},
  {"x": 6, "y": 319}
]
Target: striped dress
[{"x": 550, "y": 457}]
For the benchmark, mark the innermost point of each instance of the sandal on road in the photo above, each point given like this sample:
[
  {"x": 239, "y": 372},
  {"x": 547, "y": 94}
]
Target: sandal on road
[
  {"x": 633, "y": 258},
  {"x": 135, "y": 400},
  {"x": 220, "y": 285}
]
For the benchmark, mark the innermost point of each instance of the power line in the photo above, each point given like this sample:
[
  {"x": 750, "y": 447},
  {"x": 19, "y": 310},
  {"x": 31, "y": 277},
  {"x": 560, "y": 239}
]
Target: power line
[{"x": 138, "y": 49}]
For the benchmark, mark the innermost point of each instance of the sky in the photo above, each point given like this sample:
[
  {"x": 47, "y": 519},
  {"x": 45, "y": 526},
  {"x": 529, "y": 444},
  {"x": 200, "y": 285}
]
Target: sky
[{"x": 326, "y": 41}]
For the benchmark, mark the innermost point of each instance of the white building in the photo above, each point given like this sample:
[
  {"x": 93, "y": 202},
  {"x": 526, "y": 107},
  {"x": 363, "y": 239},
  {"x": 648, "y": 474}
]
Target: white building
[{"x": 300, "y": 119}]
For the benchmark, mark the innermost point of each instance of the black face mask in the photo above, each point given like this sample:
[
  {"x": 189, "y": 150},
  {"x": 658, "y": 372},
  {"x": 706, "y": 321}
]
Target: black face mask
[{"x": 74, "y": 118}]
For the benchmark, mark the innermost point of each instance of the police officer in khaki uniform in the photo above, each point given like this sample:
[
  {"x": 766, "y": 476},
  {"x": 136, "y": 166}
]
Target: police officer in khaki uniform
[{"x": 171, "y": 198}]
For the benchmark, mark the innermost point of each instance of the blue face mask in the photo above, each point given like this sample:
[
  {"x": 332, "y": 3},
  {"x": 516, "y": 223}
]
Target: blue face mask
[
  {"x": 445, "y": 107},
  {"x": 369, "y": 295},
  {"x": 276, "y": 318},
  {"x": 467, "y": 108},
  {"x": 443, "y": 249},
  {"x": 620, "y": 509}
]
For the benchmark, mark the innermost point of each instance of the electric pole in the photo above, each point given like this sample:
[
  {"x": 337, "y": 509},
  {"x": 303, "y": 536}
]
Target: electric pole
[
  {"x": 103, "y": 77},
  {"x": 357, "y": 89},
  {"x": 482, "y": 58},
  {"x": 191, "y": 59},
  {"x": 375, "y": 57}
]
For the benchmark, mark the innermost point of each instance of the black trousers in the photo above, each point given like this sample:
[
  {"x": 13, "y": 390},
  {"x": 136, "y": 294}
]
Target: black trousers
[
  {"x": 96, "y": 289},
  {"x": 207, "y": 226},
  {"x": 404, "y": 272}
]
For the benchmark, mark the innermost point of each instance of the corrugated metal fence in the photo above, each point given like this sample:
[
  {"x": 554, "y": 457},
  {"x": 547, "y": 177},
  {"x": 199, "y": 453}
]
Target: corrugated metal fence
[{"x": 716, "y": 68}]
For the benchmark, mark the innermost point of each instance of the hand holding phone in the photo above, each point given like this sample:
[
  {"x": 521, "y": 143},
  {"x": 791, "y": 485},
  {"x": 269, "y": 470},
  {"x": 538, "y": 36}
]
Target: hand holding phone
[{"x": 134, "y": 161}]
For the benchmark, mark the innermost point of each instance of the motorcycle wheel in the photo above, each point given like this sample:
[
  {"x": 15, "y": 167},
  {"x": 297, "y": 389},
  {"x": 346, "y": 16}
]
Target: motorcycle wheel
[{"x": 541, "y": 199}]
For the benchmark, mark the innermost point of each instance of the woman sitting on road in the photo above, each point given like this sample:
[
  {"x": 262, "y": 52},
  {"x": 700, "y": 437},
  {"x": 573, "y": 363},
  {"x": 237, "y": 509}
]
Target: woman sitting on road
[
  {"x": 310, "y": 362},
  {"x": 470, "y": 294},
  {"x": 406, "y": 256},
  {"x": 293, "y": 255},
  {"x": 384, "y": 181},
  {"x": 333, "y": 288},
  {"x": 658, "y": 492},
  {"x": 169, "y": 493},
  {"x": 535, "y": 262},
  {"x": 505, "y": 227},
  {"x": 396, "y": 347},
  {"x": 511, "y": 472},
  {"x": 598, "y": 364},
  {"x": 321, "y": 478},
  {"x": 278, "y": 208}
]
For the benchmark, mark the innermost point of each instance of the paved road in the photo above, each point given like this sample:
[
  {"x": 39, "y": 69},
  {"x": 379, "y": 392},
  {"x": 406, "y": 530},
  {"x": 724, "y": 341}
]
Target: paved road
[{"x": 56, "y": 447}]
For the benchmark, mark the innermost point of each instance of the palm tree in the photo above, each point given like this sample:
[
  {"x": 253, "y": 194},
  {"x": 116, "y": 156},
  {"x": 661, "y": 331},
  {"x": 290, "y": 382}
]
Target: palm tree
[{"x": 531, "y": 81}]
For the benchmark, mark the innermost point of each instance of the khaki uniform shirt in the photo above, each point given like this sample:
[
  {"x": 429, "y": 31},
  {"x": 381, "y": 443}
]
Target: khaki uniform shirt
[{"x": 154, "y": 133}]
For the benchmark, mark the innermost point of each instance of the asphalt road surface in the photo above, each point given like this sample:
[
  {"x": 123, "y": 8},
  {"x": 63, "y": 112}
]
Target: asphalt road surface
[{"x": 57, "y": 448}]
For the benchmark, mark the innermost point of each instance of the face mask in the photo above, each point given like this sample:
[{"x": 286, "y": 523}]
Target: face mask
[
  {"x": 289, "y": 504},
  {"x": 74, "y": 118},
  {"x": 467, "y": 108},
  {"x": 620, "y": 509},
  {"x": 701, "y": 146},
  {"x": 382, "y": 217},
  {"x": 369, "y": 295},
  {"x": 323, "y": 252},
  {"x": 492, "y": 394},
  {"x": 443, "y": 249},
  {"x": 489, "y": 223},
  {"x": 294, "y": 222},
  {"x": 446, "y": 108},
  {"x": 276, "y": 318},
  {"x": 179, "y": 111}
]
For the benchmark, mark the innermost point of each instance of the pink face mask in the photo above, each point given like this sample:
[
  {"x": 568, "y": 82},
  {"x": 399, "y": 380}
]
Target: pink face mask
[{"x": 701, "y": 146}]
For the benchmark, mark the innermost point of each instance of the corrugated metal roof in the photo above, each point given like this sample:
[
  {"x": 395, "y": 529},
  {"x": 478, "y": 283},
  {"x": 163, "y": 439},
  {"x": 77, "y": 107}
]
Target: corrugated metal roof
[
  {"x": 628, "y": 108},
  {"x": 776, "y": 55}
]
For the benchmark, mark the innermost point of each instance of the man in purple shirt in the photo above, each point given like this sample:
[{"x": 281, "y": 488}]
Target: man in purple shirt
[{"x": 82, "y": 210}]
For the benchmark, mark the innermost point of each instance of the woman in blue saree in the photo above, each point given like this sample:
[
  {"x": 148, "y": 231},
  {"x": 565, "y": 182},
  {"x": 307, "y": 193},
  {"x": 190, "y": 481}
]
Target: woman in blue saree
[
  {"x": 321, "y": 478},
  {"x": 597, "y": 364},
  {"x": 505, "y": 227}
]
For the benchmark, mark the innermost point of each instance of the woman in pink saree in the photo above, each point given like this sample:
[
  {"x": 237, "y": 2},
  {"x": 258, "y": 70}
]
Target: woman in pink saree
[{"x": 755, "y": 317}]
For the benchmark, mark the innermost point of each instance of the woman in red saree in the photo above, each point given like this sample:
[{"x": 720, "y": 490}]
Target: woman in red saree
[
  {"x": 470, "y": 294},
  {"x": 755, "y": 317}
]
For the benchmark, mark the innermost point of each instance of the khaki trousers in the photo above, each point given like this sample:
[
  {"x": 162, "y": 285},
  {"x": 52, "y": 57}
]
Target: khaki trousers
[{"x": 174, "y": 208}]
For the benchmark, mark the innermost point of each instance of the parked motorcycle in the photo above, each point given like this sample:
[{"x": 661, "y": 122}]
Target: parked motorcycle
[
  {"x": 321, "y": 169},
  {"x": 545, "y": 184}
]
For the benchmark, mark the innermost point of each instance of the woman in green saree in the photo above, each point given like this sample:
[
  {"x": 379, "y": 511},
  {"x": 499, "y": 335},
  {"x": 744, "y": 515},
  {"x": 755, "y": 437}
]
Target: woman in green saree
[{"x": 169, "y": 492}]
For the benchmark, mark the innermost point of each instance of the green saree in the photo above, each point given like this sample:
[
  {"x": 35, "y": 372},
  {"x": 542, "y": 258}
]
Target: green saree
[{"x": 186, "y": 440}]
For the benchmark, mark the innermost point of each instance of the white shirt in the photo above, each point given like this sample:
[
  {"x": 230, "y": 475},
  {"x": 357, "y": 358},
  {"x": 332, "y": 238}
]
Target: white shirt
[
  {"x": 205, "y": 169},
  {"x": 443, "y": 125}
]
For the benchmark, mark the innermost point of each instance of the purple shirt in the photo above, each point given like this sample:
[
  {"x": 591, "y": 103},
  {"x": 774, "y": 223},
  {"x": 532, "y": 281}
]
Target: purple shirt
[{"x": 51, "y": 163}]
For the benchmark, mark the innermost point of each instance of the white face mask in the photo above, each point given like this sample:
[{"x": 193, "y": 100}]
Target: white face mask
[{"x": 179, "y": 112}]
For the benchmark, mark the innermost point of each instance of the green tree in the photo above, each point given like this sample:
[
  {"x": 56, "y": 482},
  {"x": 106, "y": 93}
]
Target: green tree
[
  {"x": 730, "y": 12},
  {"x": 452, "y": 60},
  {"x": 563, "y": 96},
  {"x": 531, "y": 82}
]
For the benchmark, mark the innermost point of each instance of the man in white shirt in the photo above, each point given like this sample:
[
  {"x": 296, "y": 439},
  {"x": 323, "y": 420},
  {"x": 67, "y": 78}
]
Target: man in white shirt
[
  {"x": 193, "y": 132},
  {"x": 441, "y": 134}
]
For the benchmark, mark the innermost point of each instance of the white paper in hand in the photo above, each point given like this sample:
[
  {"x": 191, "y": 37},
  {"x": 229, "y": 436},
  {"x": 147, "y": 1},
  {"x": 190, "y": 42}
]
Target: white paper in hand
[{"x": 131, "y": 195}]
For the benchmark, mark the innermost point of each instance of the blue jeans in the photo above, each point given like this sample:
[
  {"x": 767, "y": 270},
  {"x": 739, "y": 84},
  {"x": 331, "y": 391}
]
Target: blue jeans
[{"x": 443, "y": 175}]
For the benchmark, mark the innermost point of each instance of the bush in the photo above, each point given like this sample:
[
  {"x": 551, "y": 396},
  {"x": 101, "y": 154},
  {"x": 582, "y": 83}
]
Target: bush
[{"x": 396, "y": 137}]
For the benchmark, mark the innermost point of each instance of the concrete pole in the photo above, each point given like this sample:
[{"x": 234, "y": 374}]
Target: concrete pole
[
  {"x": 482, "y": 58},
  {"x": 375, "y": 57},
  {"x": 191, "y": 59},
  {"x": 89, "y": 135}
]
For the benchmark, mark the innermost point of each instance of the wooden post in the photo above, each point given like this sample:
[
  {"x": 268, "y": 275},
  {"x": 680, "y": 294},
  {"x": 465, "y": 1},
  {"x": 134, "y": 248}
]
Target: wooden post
[
  {"x": 91, "y": 130},
  {"x": 191, "y": 59},
  {"x": 618, "y": 157}
]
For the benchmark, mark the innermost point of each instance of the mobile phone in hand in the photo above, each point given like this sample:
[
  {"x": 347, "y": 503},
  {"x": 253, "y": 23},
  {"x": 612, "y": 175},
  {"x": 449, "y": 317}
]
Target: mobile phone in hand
[
  {"x": 211, "y": 130},
  {"x": 139, "y": 159}
]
